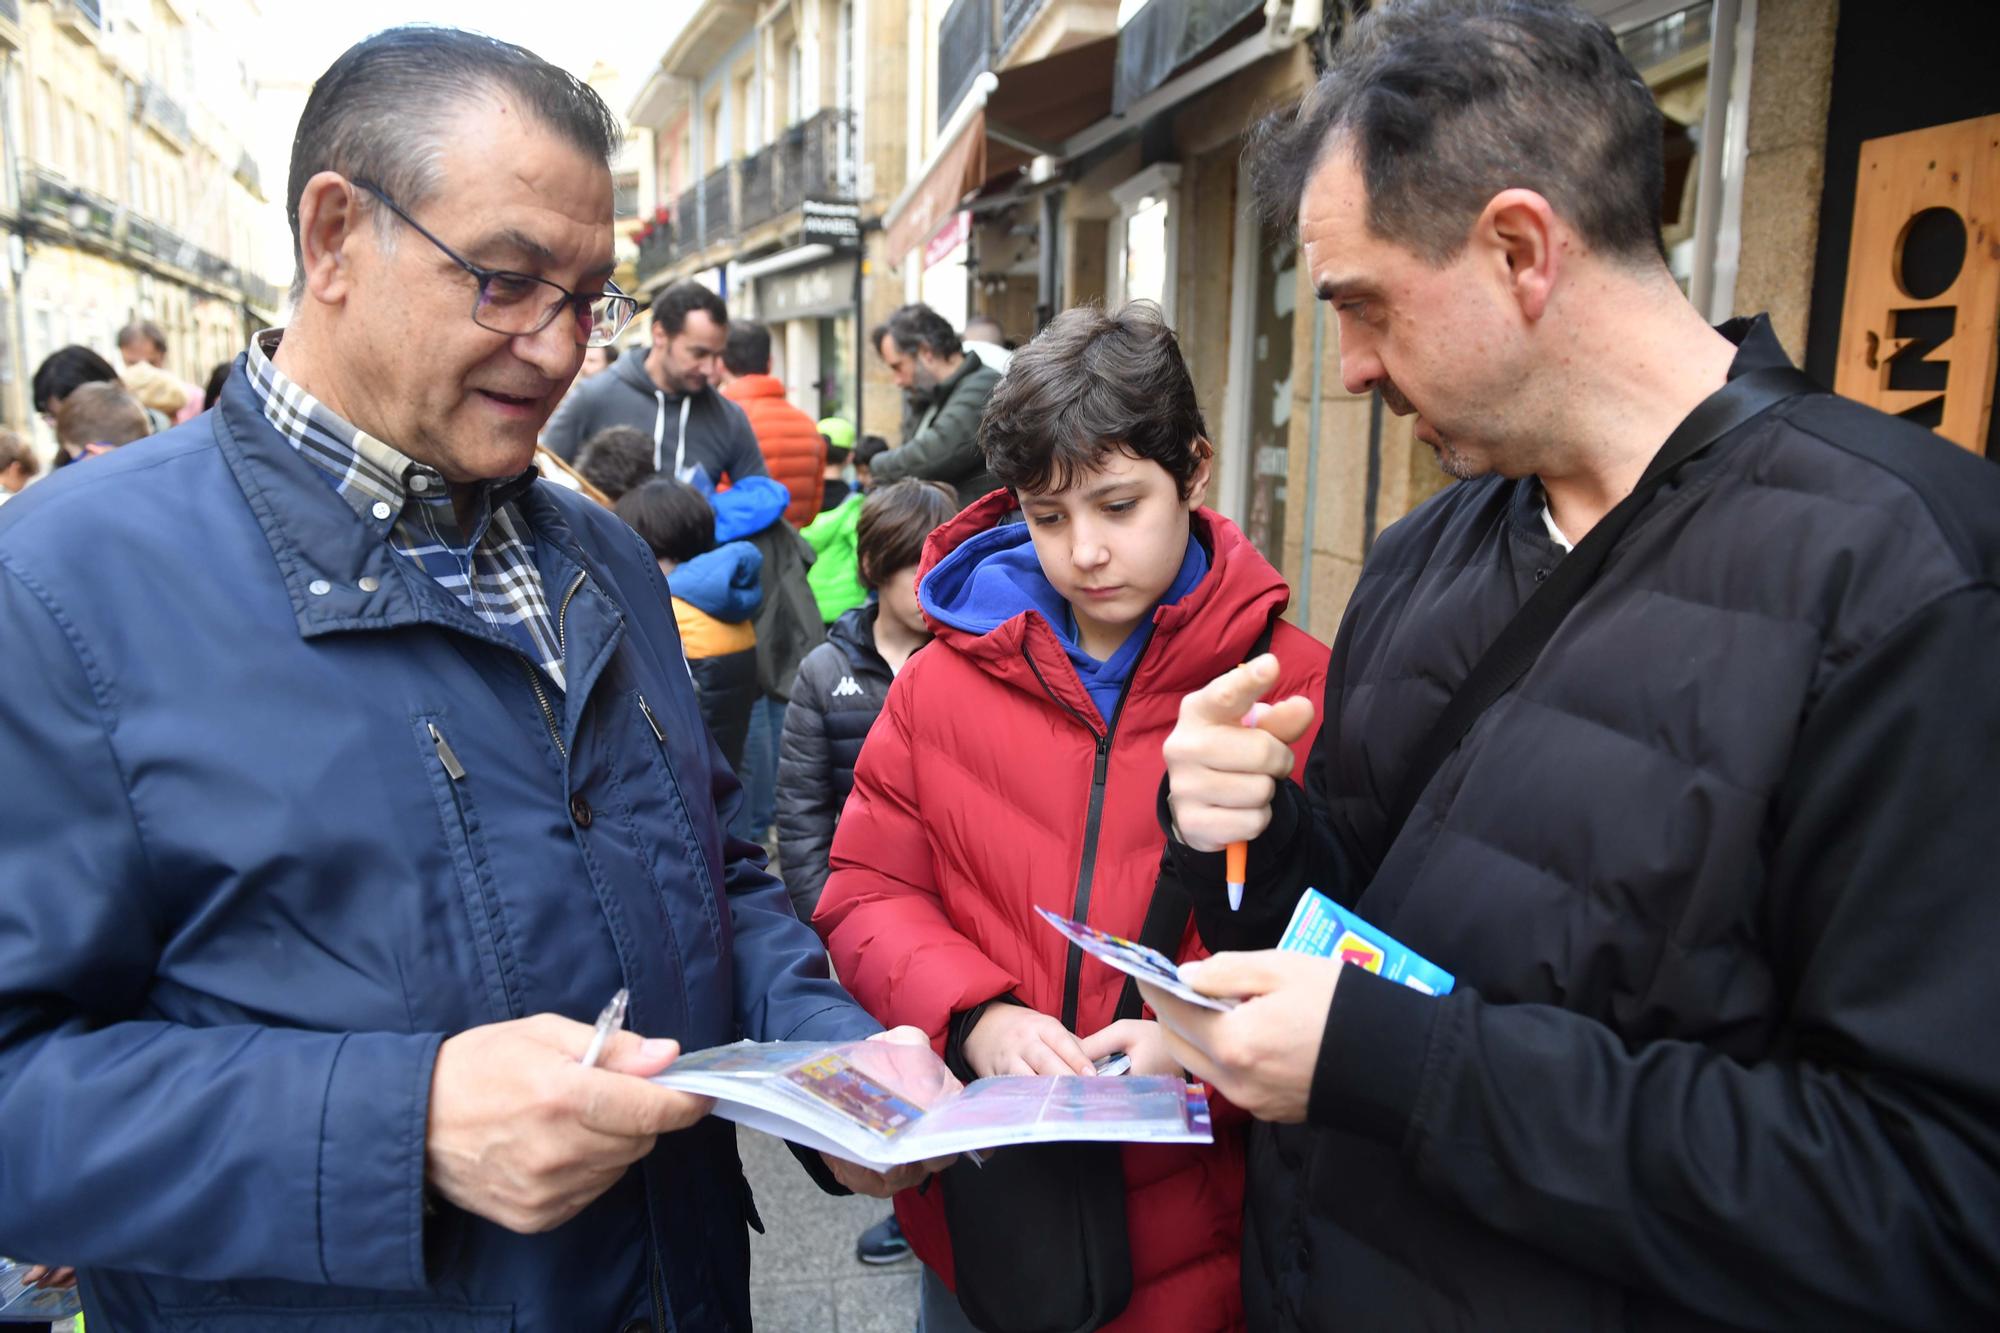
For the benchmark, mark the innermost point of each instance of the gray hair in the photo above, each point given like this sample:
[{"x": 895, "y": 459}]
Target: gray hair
[
  {"x": 380, "y": 111},
  {"x": 143, "y": 328}
]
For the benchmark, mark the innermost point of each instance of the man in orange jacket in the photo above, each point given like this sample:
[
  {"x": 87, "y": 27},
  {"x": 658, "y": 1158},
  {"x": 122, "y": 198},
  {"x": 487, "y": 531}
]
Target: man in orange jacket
[{"x": 790, "y": 442}]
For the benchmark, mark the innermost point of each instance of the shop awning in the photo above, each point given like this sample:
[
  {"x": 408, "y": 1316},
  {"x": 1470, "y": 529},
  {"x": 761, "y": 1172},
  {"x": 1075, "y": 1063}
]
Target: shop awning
[
  {"x": 1023, "y": 113},
  {"x": 1168, "y": 35}
]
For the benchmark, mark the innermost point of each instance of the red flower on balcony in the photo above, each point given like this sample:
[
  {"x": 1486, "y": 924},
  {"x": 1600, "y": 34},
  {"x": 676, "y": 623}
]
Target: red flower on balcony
[{"x": 662, "y": 216}]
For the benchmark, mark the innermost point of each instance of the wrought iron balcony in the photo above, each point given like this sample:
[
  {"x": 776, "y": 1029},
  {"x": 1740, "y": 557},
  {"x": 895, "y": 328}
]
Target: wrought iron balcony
[
  {"x": 965, "y": 51},
  {"x": 718, "y": 205},
  {"x": 813, "y": 159},
  {"x": 164, "y": 111},
  {"x": 658, "y": 250},
  {"x": 687, "y": 223},
  {"x": 1015, "y": 16}
]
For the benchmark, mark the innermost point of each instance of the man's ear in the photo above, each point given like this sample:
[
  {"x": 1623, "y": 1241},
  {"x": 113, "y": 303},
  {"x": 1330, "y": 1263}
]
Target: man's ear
[
  {"x": 1197, "y": 489},
  {"x": 1521, "y": 233},
  {"x": 329, "y": 222}
]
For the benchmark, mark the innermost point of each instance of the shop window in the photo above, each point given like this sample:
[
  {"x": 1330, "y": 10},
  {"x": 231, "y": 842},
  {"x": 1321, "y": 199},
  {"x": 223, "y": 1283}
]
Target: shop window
[{"x": 1144, "y": 252}]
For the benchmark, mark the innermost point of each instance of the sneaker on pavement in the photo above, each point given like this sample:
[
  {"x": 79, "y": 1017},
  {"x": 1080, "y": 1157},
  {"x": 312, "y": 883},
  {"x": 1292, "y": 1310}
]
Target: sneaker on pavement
[{"x": 882, "y": 1243}]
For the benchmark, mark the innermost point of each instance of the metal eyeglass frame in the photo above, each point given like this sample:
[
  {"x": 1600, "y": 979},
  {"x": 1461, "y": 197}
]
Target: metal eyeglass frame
[{"x": 621, "y": 309}]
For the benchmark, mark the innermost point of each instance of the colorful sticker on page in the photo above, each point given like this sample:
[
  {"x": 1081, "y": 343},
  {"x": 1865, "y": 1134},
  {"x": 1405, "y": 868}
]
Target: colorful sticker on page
[
  {"x": 871, "y": 1105},
  {"x": 1132, "y": 958}
]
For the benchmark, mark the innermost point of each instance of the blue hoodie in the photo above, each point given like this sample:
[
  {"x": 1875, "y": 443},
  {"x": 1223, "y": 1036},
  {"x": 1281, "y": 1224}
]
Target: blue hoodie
[
  {"x": 993, "y": 577},
  {"x": 746, "y": 508},
  {"x": 726, "y": 583}
]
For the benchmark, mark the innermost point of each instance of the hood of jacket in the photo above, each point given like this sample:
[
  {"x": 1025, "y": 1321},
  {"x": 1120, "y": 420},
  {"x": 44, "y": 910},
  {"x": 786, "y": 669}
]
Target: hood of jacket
[
  {"x": 726, "y": 582},
  {"x": 748, "y": 507},
  {"x": 744, "y": 388},
  {"x": 1232, "y": 603}
]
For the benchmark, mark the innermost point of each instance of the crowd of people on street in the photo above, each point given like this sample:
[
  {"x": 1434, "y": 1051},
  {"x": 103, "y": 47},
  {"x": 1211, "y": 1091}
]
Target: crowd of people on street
[{"x": 353, "y": 763}]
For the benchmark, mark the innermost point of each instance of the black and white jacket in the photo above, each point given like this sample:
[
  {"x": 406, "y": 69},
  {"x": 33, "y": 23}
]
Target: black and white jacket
[{"x": 839, "y": 693}]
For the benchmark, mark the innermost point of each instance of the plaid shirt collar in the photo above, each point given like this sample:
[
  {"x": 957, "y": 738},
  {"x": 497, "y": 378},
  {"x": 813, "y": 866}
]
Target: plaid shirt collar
[{"x": 488, "y": 565}]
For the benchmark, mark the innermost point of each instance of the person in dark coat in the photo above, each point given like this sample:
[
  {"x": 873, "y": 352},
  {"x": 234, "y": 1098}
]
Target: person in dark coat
[
  {"x": 350, "y": 769},
  {"x": 838, "y": 695},
  {"x": 945, "y": 389},
  {"x": 842, "y": 683},
  {"x": 716, "y": 590},
  {"x": 1715, "y": 876}
]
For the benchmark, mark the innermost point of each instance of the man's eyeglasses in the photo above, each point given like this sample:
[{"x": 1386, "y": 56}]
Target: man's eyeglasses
[{"x": 517, "y": 303}]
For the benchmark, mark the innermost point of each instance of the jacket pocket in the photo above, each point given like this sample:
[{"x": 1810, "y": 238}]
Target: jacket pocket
[{"x": 450, "y": 785}]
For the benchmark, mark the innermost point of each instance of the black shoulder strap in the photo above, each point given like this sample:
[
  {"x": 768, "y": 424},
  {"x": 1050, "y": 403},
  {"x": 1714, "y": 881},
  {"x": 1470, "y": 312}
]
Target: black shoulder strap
[
  {"x": 1168, "y": 912},
  {"x": 1518, "y": 645}
]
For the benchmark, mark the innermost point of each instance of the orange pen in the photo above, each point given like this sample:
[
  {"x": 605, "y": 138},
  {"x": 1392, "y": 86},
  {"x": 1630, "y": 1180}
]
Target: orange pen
[{"x": 1236, "y": 856}]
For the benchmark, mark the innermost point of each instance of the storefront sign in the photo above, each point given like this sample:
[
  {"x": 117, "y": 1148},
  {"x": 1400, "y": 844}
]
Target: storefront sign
[
  {"x": 826, "y": 223},
  {"x": 954, "y": 234},
  {"x": 1919, "y": 330},
  {"x": 806, "y": 293}
]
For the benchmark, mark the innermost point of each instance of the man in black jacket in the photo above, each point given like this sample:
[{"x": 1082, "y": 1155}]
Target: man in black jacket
[{"x": 1715, "y": 876}]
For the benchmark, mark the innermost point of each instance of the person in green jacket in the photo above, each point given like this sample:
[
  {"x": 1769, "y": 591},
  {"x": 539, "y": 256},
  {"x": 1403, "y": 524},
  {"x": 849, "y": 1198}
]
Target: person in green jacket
[{"x": 835, "y": 576}]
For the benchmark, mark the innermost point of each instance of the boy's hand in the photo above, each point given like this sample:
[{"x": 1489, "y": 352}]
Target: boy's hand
[
  {"x": 1011, "y": 1039},
  {"x": 1138, "y": 1038},
  {"x": 1221, "y": 775}
]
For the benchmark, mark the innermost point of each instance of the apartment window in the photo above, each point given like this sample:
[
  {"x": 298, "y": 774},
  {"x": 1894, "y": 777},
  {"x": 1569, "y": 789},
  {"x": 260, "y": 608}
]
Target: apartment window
[
  {"x": 717, "y": 151},
  {"x": 748, "y": 136},
  {"x": 795, "y": 83},
  {"x": 45, "y": 122}
]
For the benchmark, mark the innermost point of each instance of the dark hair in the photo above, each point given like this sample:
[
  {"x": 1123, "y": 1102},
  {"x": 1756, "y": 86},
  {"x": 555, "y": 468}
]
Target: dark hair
[
  {"x": 616, "y": 459},
  {"x": 894, "y": 522},
  {"x": 674, "y": 518},
  {"x": 142, "y": 328},
  {"x": 63, "y": 370},
  {"x": 915, "y": 326},
  {"x": 748, "y": 349},
  {"x": 1089, "y": 383},
  {"x": 101, "y": 413},
  {"x": 381, "y": 111},
  {"x": 216, "y": 379},
  {"x": 836, "y": 454},
  {"x": 681, "y": 299},
  {"x": 1446, "y": 103},
  {"x": 867, "y": 447}
]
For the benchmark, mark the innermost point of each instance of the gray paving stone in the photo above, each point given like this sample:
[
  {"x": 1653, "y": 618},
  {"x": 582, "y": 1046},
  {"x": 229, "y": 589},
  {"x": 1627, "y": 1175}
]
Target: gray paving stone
[{"x": 804, "y": 1277}]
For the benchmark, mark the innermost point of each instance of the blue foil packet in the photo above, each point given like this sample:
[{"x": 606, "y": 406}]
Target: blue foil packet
[{"x": 1325, "y": 929}]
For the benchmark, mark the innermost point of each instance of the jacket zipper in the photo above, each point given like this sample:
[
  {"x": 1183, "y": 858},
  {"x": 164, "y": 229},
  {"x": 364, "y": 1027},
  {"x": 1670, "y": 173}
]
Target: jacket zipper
[
  {"x": 652, "y": 721},
  {"x": 452, "y": 768},
  {"x": 562, "y": 651},
  {"x": 1093, "y": 820}
]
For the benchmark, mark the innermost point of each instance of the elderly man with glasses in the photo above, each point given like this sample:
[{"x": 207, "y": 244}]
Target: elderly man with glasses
[{"x": 351, "y": 770}]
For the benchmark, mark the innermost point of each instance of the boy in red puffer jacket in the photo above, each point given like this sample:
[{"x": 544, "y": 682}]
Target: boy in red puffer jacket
[{"x": 1017, "y": 765}]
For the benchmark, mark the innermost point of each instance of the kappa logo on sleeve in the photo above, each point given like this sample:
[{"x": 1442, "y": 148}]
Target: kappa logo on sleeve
[
  {"x": 847, "y": 689},
  {"x": 1352, "y": 949}
]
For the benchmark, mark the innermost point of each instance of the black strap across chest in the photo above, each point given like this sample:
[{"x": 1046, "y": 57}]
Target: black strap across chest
[{"x": 1741, "y": 400}]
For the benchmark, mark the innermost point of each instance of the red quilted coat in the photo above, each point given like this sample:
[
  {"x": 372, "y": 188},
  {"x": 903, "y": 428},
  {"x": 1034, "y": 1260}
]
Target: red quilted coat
[
  {"x": 970, "y": 808},
  {"x": 794, "y": 453}
]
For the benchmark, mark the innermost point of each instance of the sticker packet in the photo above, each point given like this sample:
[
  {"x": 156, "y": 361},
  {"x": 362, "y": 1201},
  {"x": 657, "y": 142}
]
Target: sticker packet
[{"x": 1324, "y": 928}]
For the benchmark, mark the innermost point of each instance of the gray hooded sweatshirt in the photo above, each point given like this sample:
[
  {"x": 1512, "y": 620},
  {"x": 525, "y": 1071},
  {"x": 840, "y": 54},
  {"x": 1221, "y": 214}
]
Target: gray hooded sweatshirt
[{"x": 703, "y": 428}]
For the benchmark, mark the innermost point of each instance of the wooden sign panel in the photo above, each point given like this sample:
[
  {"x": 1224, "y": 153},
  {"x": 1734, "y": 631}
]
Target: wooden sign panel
[{"x": 1920, "y": 329}]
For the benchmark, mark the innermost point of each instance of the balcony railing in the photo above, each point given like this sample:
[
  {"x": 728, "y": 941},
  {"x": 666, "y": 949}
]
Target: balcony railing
[
  {"x": 657, "y": 251},
  {"x": 1015, "y": 16},
  {"x": 91, "y": 216},
  {"x": 812, "y": 159},
  {"x": 718, "y": 205},
  {"x": 165, "y": 112},
  {"x": 687, "y": 223},
  {"x": 965, "y": 51}
]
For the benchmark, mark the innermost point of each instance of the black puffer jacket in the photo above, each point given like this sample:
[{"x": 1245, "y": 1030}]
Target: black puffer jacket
[
  {"x": 1718, "y": 881},
  {"x": 838, "y": 695}
]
